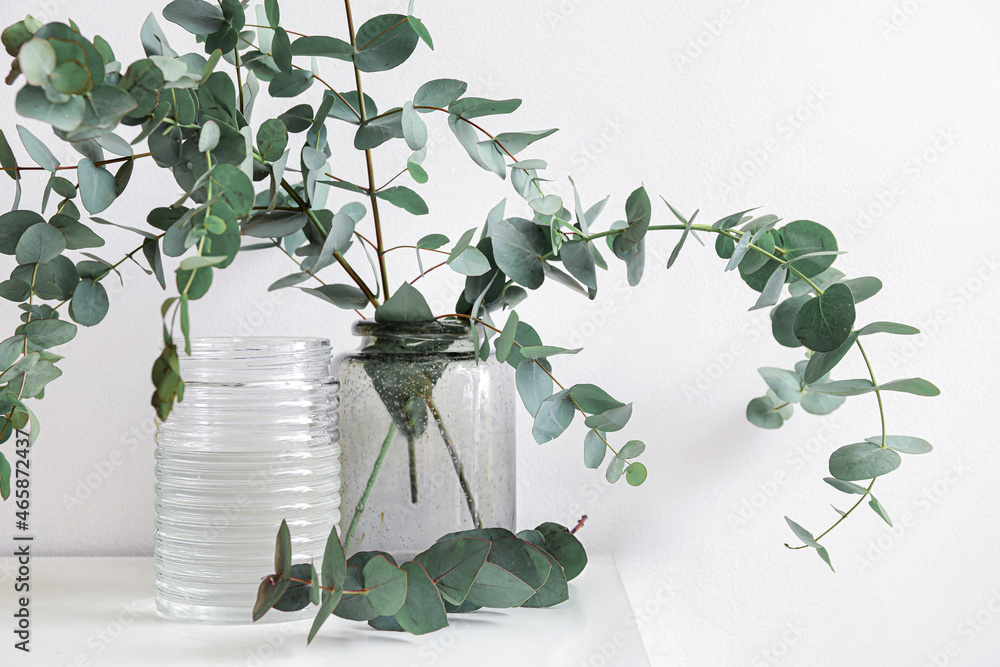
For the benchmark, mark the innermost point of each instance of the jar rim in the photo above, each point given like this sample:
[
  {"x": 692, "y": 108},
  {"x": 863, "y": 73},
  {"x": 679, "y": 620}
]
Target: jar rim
[
  {"x": 448, "y": 329},
  {"x": 259, "y": 343}
]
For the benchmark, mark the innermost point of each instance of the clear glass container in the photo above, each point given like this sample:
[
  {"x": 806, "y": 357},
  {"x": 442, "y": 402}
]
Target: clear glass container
[
  {"x": 428, "y": 432},
  {"x": 253, "y": 442}
]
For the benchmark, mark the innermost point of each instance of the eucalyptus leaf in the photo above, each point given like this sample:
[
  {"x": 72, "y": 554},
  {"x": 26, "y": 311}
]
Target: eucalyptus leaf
[
  {"x": 384, "y": 42},
  {"x": 906, "y": 444},
  {"x": 534, "y": 384},
  {"x": 196, "y": 16},
  {"x": 439, "y": 93},
  {"x": 889, "y": 328},
  {"x": 40, "y": 243},
  {"x": 915, "y": 386},
  {"x": 406, "y": 305},
  {"x": 38, "y": 151},
  {"x": 518, "y": 246},
  {"x": 553, "y": 416},
  {"x": 864, "y": 288},
  {"x": 862, "y": 460},
  {"x": 404, "y": 198},
  {"x": 614, "y": 419},
  {"x": 98, "y": 187},
  {"x": 825, "y": 322}
]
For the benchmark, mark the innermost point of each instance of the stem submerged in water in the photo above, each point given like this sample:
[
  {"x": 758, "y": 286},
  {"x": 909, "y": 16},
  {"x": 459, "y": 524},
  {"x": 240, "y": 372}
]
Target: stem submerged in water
[
  {"x": 360, "y": 507},
  {"x": 457, "y": 462}
]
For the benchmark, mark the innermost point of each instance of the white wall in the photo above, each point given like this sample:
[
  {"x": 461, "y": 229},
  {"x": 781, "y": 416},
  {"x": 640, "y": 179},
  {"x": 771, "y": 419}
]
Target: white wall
[{"x": 876, "y": 118}]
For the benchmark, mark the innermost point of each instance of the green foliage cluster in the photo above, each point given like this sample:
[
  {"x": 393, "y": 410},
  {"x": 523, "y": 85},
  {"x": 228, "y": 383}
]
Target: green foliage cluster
[
  {"x": 195, "y": 114},
  {"x": 460, "y": 573}
]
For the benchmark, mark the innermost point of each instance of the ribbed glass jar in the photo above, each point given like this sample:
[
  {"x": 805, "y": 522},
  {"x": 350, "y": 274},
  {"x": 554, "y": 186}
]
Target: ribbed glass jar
[
  {"x": 253, "y": 442},
  {"x": 428, "y": 433}
]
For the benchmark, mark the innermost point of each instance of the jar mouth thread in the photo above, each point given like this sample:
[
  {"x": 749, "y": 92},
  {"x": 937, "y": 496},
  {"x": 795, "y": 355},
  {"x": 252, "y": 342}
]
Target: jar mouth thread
[
  {"x": 436, "y": 330},
  {"x": 230, "y": 347},
  {"x": 247, "y": 361}
]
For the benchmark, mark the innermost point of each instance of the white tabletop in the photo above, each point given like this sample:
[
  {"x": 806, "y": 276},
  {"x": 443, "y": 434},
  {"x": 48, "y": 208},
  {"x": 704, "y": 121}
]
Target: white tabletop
[{"x": 100, "y": 611}]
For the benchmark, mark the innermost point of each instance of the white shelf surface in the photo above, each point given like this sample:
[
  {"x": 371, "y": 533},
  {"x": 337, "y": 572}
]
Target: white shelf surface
[{"x": 100, "y": 611}]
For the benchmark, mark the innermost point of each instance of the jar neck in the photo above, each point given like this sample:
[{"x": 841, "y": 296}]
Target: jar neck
[
  {"x": 415, "y": 338},
  {"x": 253, "y": 360}
]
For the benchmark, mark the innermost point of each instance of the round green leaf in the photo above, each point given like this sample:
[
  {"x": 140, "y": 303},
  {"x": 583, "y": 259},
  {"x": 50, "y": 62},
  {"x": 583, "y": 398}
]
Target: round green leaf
[
  {"x": 272, "y": 138},
  {"x": 37, "y": 59},
  {"x": 384, "y": 42},
  {"x": 12, "y": 227},
  {"x": 534, "y": 385},
  {"x": 632, "y": 449},
  {"x": 635, "y": 474},
  {"x": 906, "y": 444},
  {"x": 71, "y": 78},
  {"x": 208, "y": 138},
  {"x": 820, "y": 404},
  {"x": 199, "y": 285},
  {"x": 761, "y": 413},
  {"x": 40, "y": 243},
  {"x": 98, "y": 187},
  {"x": 862, "y": 460},
  {"x": 783, "y": 320},
  {"x": 803, "y": 237},
  {"x": 825, "y": 322},
  {"x": 89, "y": 304},
  {"x": 614, "y": 419},
  {"x": 554, "y": 416},
  {"x": 439, "y": 93}
]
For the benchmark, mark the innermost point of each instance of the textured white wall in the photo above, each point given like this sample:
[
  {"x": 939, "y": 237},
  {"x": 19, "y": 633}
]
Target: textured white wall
[{"x": 876, "y": 118}]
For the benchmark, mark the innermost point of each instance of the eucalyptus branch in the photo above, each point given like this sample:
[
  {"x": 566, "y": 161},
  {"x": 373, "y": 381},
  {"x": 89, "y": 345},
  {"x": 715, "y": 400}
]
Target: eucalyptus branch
[
  {"x": 128, "y": 256},
  {"x": 368, "y": 160},
  {"x": 881, "y": 412},
  {"x": 537, "y": 363},
  {"x": 387, "y": 183},
  {"x": 305, "y": 208},
  {"x": 99, "y": 163}
]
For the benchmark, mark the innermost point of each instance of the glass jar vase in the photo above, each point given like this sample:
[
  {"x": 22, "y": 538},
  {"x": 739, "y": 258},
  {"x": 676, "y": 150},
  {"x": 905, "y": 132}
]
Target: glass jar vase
[
  {"x": 253, "y": 442},
  {"x": 427, "y": 437}
]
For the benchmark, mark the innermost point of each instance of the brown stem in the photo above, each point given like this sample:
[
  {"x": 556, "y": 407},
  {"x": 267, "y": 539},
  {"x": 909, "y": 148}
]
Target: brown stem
[
  {"x": 96, "y": 164},
  {"x": 267, "y": 27},
  {"x": 368, "y": 162},
  {"x": 456, "y": 461},
  {"x": 339, "y": 257},
  {"x": 436, "y": 266}
]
